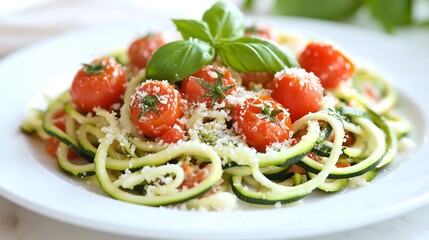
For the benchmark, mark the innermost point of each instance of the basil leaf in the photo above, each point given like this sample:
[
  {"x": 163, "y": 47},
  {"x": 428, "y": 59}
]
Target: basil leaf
[
  {"x": 177, "y": 60},
  {"x": 248, "y": 4},
  {"x": 193, "y": 29},
  {"x": 324, "y": 9},
  {"x": 281, "y": 52},
  {"x": 225, "y": 20},
  {"x": 254, "y": 54},
  {"x": 391, "y": 13}
]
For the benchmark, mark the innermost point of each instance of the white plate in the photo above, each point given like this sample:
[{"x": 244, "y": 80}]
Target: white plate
[{"x": 31, "y": 179}]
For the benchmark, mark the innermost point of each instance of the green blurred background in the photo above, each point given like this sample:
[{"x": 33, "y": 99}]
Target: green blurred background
[{"x": 388, "y": 14}]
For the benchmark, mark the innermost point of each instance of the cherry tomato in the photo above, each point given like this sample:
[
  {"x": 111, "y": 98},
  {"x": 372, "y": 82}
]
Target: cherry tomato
[
  {"x": 172, "y": 135},
  {"x": 298, "y": 91},
  {"x": 210, "y": 84},
  {"x": 263, "y": 32},
  {"x": 262, "y": 121},
  {"x": 263, "y": 78},
  {"x": 342, "y": 165},
  {"x": 52, "y": 144},
  {"x": 155, "y": 107},
  {"x": 193, "y": 175},
  {"x": 98, "y": 84},
  {"x": 314, "y": 156},
  {"x": 329, "y": 64},
  {"x": 142, "y": 49},
  {"x": 372, "y": 92},
  {"x": 349, "y": 138},
  {"x": 51, "y": 147},
  {"x": 297, "y": 169},
  {"x": 59, "y": 120}
]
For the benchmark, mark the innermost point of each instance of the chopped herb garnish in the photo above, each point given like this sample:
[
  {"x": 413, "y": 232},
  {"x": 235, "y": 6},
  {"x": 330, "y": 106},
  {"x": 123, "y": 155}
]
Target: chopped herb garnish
[
  {"x": 271, "y": 114},
  {"x": 149, "y": 103},
  {"x": 217, "y": 90},
  {"x": 93, "y": 68}
]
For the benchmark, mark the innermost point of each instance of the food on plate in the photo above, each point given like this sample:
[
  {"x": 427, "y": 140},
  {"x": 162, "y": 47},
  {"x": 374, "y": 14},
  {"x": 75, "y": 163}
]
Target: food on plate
[{"x": 223, "y": 114}]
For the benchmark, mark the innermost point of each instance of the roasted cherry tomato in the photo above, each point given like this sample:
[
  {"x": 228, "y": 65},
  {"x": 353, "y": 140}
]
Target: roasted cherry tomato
[
  {"x": 59, "y": 120},
  {"x": 329, "y": 64},
  {"x": 98, "y": 84},
  {"x": 349, "y": 138},
  {"x": 52, "y": 144},
  {"x": 297, "y": 169},
  {"x": 51, "y": 147},
  {"x": 248, "y": 80},
  {"x": 140, "y": 51},
  {"x": 155, "y": 107},
  {"x": 263, "y": 32},
  {"x": 173, "y": 135},
  {"x": 342, "y": 165},
  {"x": 372, "y": 92},
  {"x": 298, "y": 91},
  {"x": 211, "y": 84},
  {"x": 262, "y": 121},
  {"x": 193, "y": 175}
]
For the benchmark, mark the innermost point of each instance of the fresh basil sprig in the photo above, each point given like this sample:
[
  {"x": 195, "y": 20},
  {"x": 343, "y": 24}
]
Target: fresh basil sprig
[
  {"x": 226, "y": 22},
  {"x": 219, "y": 33},
  {"x": 254, "y": 54},
  {"x": 194, "y": 29},
  {"x": 177, "y": 60}
]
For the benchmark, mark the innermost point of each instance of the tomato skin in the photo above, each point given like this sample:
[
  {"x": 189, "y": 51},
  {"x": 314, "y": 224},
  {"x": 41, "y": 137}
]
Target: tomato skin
[
  {"x": 329, "y": 64},
  {"x": 260, "y": 132},
  {"x": 342, "y": 165},
  {"x": 298, "y": 91},
  {"x": 169, "y": 109},
  {"x": 349, "y": 138},
  {"x": 173, "y": 135},
  {"x": 263, "y": 78},
  {"x": 193, "y": 176},
  {"x": 102, "y": 89},
  {"x": 59, "y": 120},
  {"x": 51, "y": 147},
  {"x": 263, "y": 32},
  {"x": 142, "y": 49},
  {"x": 372, "y": 92},
  {"x": 193, "y": 91},
  {"x": 52, "y": 143},
  {"x": 297, "y": 169}
]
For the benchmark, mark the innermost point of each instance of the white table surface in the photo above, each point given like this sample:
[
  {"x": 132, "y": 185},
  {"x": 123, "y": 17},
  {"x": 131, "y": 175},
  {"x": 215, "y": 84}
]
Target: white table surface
[
  {"x": 30, "y": 25},
  {"x": 17, "y": 223}
]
